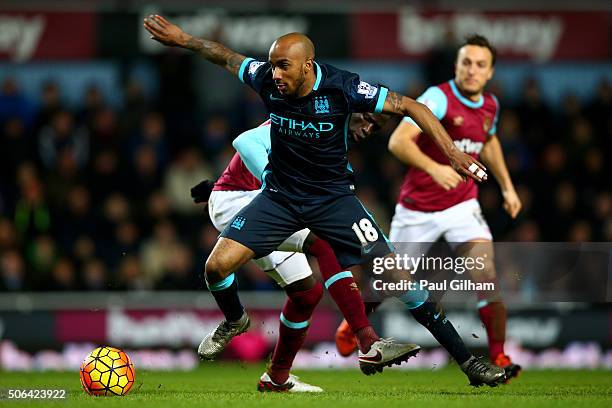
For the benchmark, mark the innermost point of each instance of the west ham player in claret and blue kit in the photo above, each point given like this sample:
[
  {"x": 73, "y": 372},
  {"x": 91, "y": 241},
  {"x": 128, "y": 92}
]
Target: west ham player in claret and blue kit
[
  {"x": 308, "y": 182},
  {"x": 435, "y": 201}
]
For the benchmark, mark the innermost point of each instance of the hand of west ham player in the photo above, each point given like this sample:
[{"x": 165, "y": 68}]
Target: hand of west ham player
[
  {"x": 201, "y": 192},
  {"x": 467, "y": 166},
  {"x": 445, "y": 176},
  {"x": 165, "y": 32},
  {"x": 512, "y": 202}
]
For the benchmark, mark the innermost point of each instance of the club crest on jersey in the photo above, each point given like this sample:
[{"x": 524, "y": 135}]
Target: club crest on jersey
[
  {"x": 486, "y": 125},
  {"x": 238, "y": 223},
  {"x": 458, "y": 120},
  {"x": 321, "y": 105}
]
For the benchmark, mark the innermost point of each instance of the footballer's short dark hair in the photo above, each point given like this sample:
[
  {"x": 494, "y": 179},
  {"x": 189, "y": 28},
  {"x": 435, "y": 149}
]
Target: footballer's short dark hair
[{"x": 481, "y": 41}]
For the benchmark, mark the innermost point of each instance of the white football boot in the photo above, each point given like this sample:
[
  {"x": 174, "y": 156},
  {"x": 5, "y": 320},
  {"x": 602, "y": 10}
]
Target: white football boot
[
  {"x": 293, "y": 384},
  {"x": 385, "y": 353}
]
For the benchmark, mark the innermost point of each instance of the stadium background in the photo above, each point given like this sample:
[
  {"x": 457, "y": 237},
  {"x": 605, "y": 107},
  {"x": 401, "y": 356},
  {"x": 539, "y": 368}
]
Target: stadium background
[{"x": 102, "y": 133}]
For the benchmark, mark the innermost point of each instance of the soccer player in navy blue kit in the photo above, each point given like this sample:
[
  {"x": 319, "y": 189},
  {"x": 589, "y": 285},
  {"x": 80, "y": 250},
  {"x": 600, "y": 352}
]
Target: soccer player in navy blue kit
[{"x": 308, "y": 182}]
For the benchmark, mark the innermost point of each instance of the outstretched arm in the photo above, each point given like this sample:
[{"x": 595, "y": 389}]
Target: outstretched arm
[
  {"x": 463, "y": 163},
  {"x": 169, "y": 34}
]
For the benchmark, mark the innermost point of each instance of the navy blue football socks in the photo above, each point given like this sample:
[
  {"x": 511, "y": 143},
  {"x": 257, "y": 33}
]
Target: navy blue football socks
[
  {"x": 225, "y": 293},
  {"x": 431, "y": 315}
]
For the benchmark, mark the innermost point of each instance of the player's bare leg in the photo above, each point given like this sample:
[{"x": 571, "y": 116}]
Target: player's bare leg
[
  {"x": 302, "y": 298},
  {"x": 227, "y": 256},
  {"x": 491, "y": 307}
]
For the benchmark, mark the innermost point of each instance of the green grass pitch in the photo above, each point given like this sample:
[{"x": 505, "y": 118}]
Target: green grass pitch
[{"x": 233, "y": 385}]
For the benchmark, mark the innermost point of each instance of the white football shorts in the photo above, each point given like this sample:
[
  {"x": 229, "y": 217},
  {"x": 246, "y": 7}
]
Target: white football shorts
[
  {"x": 460, "y": 223},
  {"x": 285, "y": 266}
]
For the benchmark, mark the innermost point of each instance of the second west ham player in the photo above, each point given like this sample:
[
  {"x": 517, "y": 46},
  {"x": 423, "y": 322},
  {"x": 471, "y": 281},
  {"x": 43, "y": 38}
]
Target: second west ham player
[{"x": 435, "y": 201}]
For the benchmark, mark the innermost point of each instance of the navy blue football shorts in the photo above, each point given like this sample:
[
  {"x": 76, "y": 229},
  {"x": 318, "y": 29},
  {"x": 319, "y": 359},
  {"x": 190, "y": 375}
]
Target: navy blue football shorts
[{"x": 342, "y": 221}]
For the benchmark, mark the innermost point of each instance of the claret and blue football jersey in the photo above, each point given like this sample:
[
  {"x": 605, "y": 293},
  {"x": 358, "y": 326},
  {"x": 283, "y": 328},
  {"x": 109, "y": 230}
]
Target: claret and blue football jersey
[{"x": 470, "y": 124}]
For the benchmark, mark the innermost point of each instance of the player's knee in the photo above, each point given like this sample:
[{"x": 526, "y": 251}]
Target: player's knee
[
  {"x": 308, "y": 299},
  {"x": 318, "y": 293},
  {"x": 214, "y": 270}
]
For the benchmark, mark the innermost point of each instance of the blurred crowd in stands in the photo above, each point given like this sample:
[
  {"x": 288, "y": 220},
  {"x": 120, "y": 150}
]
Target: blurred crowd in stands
[{"x": 97, "y": 198}]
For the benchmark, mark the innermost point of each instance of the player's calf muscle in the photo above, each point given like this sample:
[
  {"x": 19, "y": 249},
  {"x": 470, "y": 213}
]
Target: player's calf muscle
[
  {"x": 486, "y": 274},
  {"x": 484, "y": 253}
]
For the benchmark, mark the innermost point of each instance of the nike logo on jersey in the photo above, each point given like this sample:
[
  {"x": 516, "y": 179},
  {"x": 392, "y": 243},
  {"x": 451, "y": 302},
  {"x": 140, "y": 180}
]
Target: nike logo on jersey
[
  {"x": 368, "y": 249},
  {"x": 274, "y": 98}
]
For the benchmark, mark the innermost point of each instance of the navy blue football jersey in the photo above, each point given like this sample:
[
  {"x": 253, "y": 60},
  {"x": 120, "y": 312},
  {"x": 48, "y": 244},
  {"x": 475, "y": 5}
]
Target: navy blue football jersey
[{"x": 309, "y": 135}]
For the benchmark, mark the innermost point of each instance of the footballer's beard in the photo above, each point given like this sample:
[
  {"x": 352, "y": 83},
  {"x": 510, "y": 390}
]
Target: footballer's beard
[
  {"x": 299, "y": 85},
  {"x": 470, "y": 91}
]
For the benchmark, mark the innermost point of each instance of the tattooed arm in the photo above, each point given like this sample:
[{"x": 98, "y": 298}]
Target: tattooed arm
[
  {"x": 431, "y": 126},
  {"x": 169, "y": 34}
]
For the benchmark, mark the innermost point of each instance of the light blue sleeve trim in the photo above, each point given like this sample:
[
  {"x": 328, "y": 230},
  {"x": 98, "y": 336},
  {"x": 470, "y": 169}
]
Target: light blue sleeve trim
[
  {"x": 253, "y": 146},
  {"x": 409, "y": 120},
  {"x": 493, "y": 129},
  {"x": 319, "y": 76},
  {"x": 337, "y": 277},
  {"x": 435, "y": 100},
  {"x": 346, "y": 129},
  {"x": 243, "y": 66},
  {"x": 224, "y": 284},
  {"x": 382, "y": 96},
  {"x": 463, "y": 99},
  {"x": 293, "y": 325},
  {"x": 263, "y": 179}
]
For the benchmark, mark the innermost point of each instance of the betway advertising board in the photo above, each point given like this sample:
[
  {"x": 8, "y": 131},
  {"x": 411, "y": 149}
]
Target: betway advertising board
[
  {"x": 185, "y": 327},
  {"x": 402, "y": 34},
  {"x": 518, "y": 35}
]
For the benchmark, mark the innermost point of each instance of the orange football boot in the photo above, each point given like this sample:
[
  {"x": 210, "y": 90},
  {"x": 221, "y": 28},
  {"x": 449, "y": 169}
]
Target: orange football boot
[
  {"x": 346, "y": 343},
  {"x": 512, "y": 370}
]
